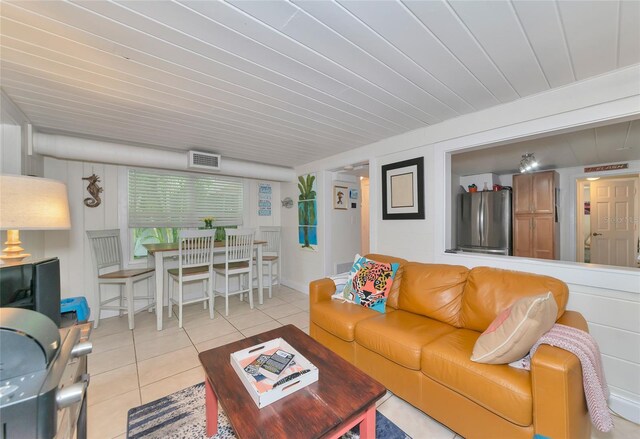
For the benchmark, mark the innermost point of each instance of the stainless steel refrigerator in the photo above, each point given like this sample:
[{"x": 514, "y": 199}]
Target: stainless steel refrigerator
[{"x": 484, "y": 222}]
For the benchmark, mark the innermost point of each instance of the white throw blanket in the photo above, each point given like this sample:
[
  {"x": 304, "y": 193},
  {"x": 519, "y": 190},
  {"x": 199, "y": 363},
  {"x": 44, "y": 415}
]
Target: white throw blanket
[{"x": 583, "y": 346}]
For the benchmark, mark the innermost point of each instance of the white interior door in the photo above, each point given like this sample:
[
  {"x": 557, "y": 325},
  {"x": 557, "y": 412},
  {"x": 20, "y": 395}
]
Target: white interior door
[{"x": 614, "y": 228}]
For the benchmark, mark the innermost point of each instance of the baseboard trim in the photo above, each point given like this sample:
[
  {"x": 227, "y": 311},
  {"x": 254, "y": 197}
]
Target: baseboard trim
[
  {"x": 626, "y": 408},
  {"x": 298, "y": 286}
]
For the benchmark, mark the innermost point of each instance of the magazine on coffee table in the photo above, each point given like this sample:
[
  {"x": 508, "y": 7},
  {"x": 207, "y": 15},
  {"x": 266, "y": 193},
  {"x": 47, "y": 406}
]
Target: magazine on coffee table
[{"x": 249, "y": 364}]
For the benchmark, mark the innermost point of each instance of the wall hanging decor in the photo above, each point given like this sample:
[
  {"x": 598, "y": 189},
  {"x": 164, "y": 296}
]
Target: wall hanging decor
[
  {"x": 403, "y": 190},
  {"x": 353, "y": 194},
  {"x": 264, "y": 199},
  {"x": 340, "y": 197},
  {"x": 94, "y": 190},
  {"x": 307, "y": 212}
]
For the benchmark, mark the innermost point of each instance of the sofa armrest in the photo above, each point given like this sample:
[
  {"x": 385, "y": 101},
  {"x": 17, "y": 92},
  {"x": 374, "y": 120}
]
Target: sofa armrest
[
  {"x": 559, "y": 405},
  {"x": 321, "y": 290}
]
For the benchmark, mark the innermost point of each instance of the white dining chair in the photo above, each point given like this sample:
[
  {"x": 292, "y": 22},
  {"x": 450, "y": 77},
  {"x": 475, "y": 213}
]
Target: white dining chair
[
  {"x": 106, "y": 254},
  {"x": 195, "y": 259},
  {"x": 238, "y": 254},
  {"x": 271, "y": 254}
]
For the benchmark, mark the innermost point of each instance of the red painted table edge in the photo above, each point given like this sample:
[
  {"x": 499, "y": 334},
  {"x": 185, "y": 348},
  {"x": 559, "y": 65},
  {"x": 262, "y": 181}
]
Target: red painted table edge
[{"x": 366, "y": 419}]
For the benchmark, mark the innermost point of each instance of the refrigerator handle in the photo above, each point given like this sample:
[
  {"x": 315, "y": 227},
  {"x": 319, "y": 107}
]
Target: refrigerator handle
[{"x": 481, "y": 219}]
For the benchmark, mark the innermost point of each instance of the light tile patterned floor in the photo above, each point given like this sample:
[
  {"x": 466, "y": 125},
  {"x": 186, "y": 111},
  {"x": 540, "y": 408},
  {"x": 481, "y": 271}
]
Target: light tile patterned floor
[{"x": 129, "y": 368}]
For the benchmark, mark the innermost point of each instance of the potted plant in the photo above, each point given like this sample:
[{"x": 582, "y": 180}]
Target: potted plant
[
  {"x": 208, "y": 222},
  {"x": 473, "y": 188}
]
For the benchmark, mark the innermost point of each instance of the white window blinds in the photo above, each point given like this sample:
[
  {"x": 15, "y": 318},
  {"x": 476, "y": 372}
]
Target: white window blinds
[{"x": 158, "y": 199}]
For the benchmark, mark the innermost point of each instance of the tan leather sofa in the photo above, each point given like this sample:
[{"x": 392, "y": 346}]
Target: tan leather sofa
[{"x": 420, "y": 349}]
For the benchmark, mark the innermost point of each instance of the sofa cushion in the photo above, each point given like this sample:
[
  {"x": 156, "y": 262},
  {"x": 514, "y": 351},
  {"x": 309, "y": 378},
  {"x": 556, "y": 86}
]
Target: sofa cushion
[
  {"x": 433, "y": 290},
  {"x": 504, "y": 390},
  {"x": 369, "y": 283},
  {"x": 339, "y": 280},
  {"x": 340, "y": 318},
  {"x": 489, "y": 291},
  {"x": 513, "y": 333},
  {"x": 399, "y": 336},
  {"x": 392, "y": 299}
]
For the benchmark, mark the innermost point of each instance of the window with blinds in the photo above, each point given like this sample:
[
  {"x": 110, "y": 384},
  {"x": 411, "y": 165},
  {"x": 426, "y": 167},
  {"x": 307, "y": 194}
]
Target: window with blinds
[{"x": 158, "y": 199}]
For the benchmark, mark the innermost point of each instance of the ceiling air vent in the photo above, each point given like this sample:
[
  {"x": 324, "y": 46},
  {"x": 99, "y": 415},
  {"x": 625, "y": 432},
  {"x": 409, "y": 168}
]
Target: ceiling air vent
[{"x": 204, "y": 160}]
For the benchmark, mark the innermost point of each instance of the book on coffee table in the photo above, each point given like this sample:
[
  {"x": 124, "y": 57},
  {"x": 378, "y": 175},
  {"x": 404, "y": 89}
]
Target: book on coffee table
[
  {"x": 275, "y": 364},
  {"x": 264, "y": 386}
]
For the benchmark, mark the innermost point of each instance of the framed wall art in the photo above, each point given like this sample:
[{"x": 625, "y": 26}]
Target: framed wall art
[
  {"x": 340, "y": 195},
  {"x": 403, "y": 190},
  {"x": 307, "y": 212}
]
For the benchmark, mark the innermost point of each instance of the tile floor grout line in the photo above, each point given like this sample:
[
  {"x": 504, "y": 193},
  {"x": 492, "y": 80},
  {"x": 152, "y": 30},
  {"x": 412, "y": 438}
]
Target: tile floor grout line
[{"x": 135, "y": 356}]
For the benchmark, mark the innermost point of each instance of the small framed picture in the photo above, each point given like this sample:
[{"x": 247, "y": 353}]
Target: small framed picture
[
  {"x": 340, "y": 197},
  {"x": 353, "y": 194}
]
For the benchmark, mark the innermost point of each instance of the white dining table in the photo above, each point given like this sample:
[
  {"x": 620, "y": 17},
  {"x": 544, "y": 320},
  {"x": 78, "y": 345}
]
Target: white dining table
[{"x": 159, "y": 252}]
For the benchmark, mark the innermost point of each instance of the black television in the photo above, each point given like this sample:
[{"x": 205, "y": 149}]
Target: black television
[{"x": 34, "y": 286}]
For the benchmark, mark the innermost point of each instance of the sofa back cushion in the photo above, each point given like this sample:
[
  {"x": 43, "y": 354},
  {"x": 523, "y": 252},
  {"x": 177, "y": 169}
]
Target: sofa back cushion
[
  {"x": 433, "y": 290},
  {"x": 392, "y": 298},
  {"x": 489, "y": 291}
]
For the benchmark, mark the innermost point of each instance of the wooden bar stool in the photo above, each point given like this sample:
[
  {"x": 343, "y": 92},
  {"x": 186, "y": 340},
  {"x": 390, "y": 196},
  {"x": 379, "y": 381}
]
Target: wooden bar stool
[{"x": 107, "y": 253}]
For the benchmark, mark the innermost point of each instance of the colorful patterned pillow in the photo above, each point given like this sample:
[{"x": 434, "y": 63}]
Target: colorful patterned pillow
[
  {"x": 369, "y": 283},
  {"x": 340, "y": 280},
  {"x": 515, "y": 330}
]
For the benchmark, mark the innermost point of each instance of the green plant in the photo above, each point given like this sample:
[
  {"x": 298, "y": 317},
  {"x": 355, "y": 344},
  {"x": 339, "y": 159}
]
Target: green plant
[
  {"x": 307, "y": 206},
  {"x": 152, "y": 235},
  {"x": 208, "y": 222}
]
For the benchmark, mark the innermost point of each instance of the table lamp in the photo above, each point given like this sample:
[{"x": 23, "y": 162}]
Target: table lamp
[{"x": 30, "y": 203}]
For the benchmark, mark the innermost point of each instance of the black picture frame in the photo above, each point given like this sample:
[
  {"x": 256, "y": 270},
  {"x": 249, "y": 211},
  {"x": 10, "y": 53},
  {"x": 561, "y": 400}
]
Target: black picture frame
[{"x": 408, "y": 178}]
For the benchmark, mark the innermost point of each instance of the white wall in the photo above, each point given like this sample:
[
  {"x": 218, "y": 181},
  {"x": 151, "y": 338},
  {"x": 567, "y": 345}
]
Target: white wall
[
  {"x": 299, "y": 264},
  {"x": 14, "y": 160},
  {"x": 72, "y": 247},
  {"x": 364, "y": 216},
  {"x": 608, "y": 297}
]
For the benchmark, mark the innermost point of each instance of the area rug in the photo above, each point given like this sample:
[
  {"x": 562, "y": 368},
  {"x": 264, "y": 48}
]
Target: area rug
[{"x": 181, "y": 415}]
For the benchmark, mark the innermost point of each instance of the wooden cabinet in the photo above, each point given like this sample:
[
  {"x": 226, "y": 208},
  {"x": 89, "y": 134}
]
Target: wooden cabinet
[
  {"x": 534, "y": 193},
  {"x": 523, "y": 235},
  {"x": 535, "y": 229}
]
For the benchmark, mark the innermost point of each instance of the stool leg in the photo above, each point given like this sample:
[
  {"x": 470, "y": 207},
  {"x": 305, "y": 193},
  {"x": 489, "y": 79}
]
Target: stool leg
[
  {"x": 150, "y": 297},
  {"x": 180, "y": 303},
  {"x": 211, "y": 297},
  {"x": 205, "y": 293},
  {"x": 96, "y": 322},
  {"x": 270, "y": 279},
  {"x": 250, "y": 290},
  {"x": 121, "y": 292},
  {"x": 169, "y": 300},
  {"x": 226, "y": 294},
  {"x": 130, "y": 305}
]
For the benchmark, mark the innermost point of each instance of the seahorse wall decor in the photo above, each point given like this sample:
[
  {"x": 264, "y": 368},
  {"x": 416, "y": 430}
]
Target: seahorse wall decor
[{"x": 94, "y": 190}]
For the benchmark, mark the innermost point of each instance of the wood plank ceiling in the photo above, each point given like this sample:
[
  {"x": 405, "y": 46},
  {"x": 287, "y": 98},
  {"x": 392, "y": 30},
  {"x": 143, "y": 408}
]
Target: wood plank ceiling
[{"x": 290, "y": 82}]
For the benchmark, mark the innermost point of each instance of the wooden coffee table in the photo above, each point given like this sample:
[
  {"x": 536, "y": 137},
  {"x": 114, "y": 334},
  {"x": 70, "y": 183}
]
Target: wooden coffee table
[{"x": 343, "y": 396}]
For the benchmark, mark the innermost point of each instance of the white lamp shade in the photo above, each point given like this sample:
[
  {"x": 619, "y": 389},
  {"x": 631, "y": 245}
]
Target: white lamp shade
[{"x": 33, "y": 203}]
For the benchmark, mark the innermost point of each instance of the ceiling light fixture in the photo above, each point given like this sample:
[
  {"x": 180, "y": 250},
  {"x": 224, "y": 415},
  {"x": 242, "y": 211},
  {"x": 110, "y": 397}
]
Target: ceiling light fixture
[
  {"x": 593, "y": 178},
  {"x": 528, "y": 162}
]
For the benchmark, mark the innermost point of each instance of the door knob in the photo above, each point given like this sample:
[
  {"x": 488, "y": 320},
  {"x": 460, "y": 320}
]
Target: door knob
[{"x": 597, "y": 234}]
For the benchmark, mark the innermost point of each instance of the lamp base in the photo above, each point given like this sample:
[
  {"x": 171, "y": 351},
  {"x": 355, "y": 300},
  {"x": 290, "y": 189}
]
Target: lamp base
[{"x": 13, "y": 252}]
